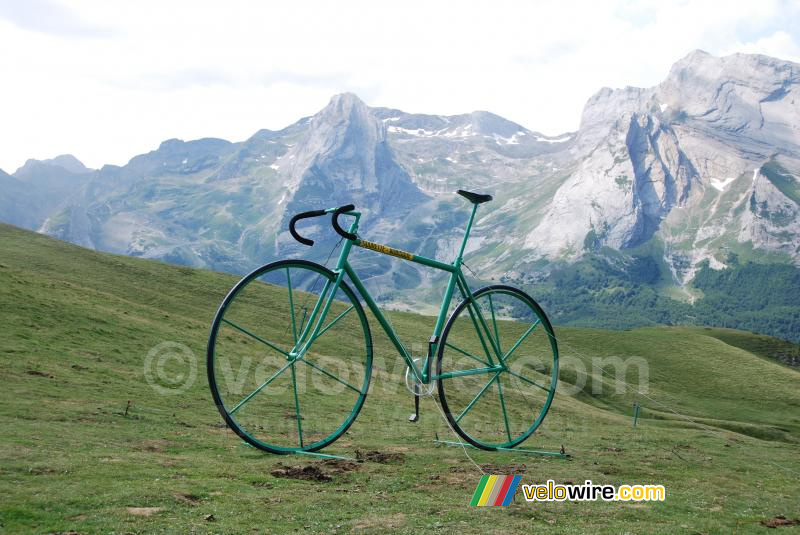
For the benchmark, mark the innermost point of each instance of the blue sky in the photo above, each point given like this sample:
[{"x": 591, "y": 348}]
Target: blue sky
[{"x": 106, "y": 80}]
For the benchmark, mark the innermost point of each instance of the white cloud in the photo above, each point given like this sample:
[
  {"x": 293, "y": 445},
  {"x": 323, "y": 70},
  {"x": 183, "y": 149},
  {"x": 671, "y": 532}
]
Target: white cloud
[
  {"x": 116, "y": 78},
  {"x": 780, "y": 45}
]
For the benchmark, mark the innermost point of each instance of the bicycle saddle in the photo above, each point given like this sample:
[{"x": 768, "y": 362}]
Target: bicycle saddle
[{"x": 474, "y": 198}]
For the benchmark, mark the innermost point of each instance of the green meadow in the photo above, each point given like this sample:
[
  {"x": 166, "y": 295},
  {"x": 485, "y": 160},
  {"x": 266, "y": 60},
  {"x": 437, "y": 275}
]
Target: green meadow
[{"x": 87, "y": 445}]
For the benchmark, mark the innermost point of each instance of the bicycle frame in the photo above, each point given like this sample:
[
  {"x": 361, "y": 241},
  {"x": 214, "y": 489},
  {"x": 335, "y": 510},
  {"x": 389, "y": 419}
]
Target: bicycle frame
[{"x": 456, "y": 280}]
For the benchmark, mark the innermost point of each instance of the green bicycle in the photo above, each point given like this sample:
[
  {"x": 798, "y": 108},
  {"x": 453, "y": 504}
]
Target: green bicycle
[{"x": 290, "y": 351}]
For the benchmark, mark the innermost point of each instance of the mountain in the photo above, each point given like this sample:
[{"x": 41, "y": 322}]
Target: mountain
[
  {"x": 40, "y": 188},
  {"x": 33, "y": 169},
  {"x": 611, "y": 225},
  {"x": 704, "y": 162}
]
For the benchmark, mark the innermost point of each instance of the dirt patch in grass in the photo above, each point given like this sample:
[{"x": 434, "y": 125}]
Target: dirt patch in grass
[
  {"x": 337, "y": 466},
  {"x": 779, "y": 522},
  {"x": 42, "y": 471},
  {"x": 383, "y": 457},
  {"x": 323, "y": 471},
  {"x": 306, "y": 473},
  {"x": 153, "y": 446},
  {"x": 144, "y": 511},
  {"x": 383, "y": 523},
  {"x": 183, "y": 497},
  {"x": 452, "y": 479},
  {"x": 37, "y": 373},
  {"x": 512, "y": 468}
]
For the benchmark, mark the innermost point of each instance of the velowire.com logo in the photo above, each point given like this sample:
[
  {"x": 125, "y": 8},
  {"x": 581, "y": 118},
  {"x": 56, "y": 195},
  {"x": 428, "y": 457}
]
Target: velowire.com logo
[{"x": 499, "y": 490}]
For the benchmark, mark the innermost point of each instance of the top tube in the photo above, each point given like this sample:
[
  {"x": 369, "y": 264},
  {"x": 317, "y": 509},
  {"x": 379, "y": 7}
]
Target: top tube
[{"x": 405, "y": 255}]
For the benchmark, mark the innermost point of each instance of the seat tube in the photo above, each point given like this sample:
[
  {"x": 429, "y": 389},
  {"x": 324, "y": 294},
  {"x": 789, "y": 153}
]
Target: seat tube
[{"x": 466, "y": 235}]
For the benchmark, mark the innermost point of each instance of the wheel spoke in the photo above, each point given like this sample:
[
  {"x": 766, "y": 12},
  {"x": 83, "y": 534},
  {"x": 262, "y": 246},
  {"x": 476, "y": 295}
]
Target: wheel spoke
[
  {"x": 470, "y": 305},
  {"x": 313, "y": 316},
  {"x": 494, "y": 323},
  {"x": 529, "y": 381},
  {"x": 325, "y": 372},
  {"x": 503, "y": 406},
  {"x": 477, "y": 397},
  {"x": 470, "y": 355},
  {"x": 470, "y": 371},
  {"x": 332, "y": 323},
  {"x": 303, "y": 319},
  {"x": 291, "y": 306},
  {"x": 521, "y": 339},
  {"x": 297, "y": 406},
  {"x": 248, "y": 333},
  {"x": 260, "y": 388},
  {"x": 319, "y": 320},
  {"x": 484, "y": 328}
]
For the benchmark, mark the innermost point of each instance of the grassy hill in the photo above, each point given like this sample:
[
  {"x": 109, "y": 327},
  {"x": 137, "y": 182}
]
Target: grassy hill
[{"x": 87, "y": 445}]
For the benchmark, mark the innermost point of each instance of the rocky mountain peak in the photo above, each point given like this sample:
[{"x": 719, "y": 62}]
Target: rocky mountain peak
[
  {"x": 693, "y": 144},
  {"x": 736, "y": 93},
  {"x": 343, "y": 157},
  {"x": 66, "y": 162},
  {"x": 348, "y": 112},
  {"x": 344, "y": 102},
  {"x": 488, "y": 124},
  {"x": 346, "y": 129}
]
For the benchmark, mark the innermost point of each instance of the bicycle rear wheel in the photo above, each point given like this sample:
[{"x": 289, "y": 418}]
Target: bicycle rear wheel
[
  {"x": 497, "y": 367},
  {"x": 277, "y": 386}
]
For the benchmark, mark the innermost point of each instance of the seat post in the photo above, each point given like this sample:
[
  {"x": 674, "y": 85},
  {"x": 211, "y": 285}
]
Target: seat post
[{"x": 466, "y": 235}]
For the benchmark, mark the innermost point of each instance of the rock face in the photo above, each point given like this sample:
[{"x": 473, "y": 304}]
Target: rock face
[
  {"x": 345, "y": 156},
  {"x": 682, "y": 162},
  {"x": 703, "y": 165}
]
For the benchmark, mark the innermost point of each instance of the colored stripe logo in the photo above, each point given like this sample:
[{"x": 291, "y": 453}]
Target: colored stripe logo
[{"x": 495, "y": 490}]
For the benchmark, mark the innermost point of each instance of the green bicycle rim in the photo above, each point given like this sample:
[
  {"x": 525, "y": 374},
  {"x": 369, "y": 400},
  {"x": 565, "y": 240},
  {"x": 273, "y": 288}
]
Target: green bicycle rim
[
  {"x": 225, "y": 412},
  {"x": 490, "y": 324}
]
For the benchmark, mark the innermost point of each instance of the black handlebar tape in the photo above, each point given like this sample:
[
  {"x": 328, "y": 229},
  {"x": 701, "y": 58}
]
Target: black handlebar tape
[
  {"x": 339, "y": 230},
  {"x": 298, "y": 217}
]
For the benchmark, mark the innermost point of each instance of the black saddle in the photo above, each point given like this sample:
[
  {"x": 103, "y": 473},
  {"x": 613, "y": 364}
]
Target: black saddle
[{"x": 474, "y": 198}]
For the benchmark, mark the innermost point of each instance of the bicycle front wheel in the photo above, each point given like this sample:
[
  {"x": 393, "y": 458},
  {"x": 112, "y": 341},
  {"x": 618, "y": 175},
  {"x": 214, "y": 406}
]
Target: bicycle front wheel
[
  {"x": 497, "y": 367},
  {"x": 284, "y": 377}
]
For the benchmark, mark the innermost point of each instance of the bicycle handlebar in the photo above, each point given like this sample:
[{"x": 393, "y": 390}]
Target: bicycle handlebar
[
  {"x": 316, "y": 213},
  {"x": 335, "y": 221},
  {"x": 298, "y": 217}
]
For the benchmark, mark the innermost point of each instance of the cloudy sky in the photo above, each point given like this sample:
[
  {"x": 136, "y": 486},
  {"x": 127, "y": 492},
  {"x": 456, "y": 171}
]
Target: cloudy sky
[{"x": 106, "y": 80}]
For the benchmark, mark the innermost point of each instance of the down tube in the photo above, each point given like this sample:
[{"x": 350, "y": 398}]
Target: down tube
[{"x": 381, "y": 319}]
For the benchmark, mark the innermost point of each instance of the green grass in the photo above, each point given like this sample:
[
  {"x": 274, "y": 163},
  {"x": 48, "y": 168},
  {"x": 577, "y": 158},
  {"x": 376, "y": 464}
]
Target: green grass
[{"x": 84, "y": 437}]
